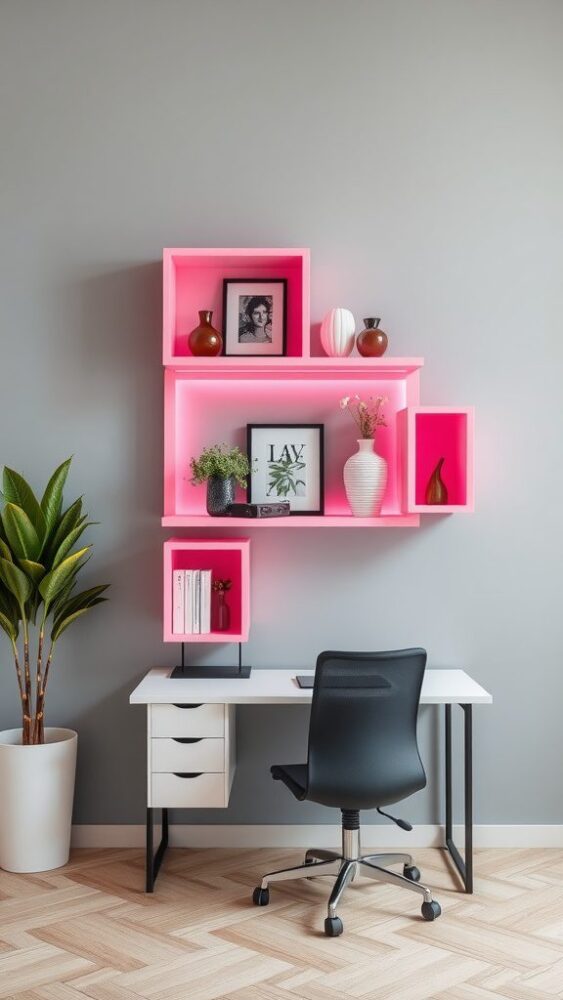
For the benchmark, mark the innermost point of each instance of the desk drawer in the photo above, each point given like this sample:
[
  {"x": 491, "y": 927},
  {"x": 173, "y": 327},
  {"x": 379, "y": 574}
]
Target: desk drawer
[
  {"x": 200, "y": 754},
  {"x": 188, "y": 720},
  {"x": 197, "y": 792}
]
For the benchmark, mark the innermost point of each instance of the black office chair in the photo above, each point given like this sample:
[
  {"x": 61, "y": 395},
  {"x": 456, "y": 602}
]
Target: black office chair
[{"x": 363, "y": 754}]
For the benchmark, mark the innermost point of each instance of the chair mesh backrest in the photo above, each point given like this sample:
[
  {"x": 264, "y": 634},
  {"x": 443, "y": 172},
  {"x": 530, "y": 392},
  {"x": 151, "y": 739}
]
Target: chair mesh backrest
[{"x": 362, "y": 734}]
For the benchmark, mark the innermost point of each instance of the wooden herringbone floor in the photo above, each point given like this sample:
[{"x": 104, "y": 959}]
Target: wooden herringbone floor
[{"x": 88, "y": 930}]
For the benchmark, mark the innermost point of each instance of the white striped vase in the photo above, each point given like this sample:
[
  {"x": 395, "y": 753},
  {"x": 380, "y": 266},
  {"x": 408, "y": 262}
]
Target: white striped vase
[{"x": 365, "y": 479}]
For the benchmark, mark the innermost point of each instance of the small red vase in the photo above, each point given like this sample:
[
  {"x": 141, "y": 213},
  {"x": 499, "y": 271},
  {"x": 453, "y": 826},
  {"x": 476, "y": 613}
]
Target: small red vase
[
  {"x": 371, "y": 342},
  {"x": 205, "y": 341}
]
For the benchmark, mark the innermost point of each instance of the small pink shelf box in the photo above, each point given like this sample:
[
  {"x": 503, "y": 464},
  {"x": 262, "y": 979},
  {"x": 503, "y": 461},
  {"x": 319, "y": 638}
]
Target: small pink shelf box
[
  {"x": 435, "y": 432},
  {"x": 227, "y": 558},
  {"x": 193, "y": 280},
  {"x": 216, "y": 405}
]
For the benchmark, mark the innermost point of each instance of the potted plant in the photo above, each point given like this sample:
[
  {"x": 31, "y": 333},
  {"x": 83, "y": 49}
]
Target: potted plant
[
  {"x": 39, "y": 567},
  {"x": 221, "y": 468}
]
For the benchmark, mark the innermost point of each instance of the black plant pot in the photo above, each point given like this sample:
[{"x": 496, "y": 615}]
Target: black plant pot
[{"x": 220, "y": 494}]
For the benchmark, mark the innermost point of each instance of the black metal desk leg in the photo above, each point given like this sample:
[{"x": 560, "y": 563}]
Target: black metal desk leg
[
  {"x": 464, "y": 867},
  {"x": 153, "y": 861}
]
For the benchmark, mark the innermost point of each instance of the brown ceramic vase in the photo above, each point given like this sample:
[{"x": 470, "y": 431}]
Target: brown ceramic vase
[
  {"x": 205, "y": 340},
  {"x": 436, "y": 490},
  {"x": 372, "y": 342}
]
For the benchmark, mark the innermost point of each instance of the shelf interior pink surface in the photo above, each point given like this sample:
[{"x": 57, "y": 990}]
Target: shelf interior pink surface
[
  {"x": 224, "y": 564},
  {"x": 197, "y": 283},
  {"x": 441, "y": 435},
  {"x": 204, "y": 411}
]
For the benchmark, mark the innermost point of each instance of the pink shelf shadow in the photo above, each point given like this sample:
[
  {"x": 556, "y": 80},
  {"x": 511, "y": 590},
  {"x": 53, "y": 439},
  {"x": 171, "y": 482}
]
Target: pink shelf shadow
[
  {"x": 227, "y": 558},
  {"x": 435, "y": 432},
  {"x": 193, "y": 280}
]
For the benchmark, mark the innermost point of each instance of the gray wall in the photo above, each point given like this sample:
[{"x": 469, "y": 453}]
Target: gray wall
[{"x": 416, "y": 147}]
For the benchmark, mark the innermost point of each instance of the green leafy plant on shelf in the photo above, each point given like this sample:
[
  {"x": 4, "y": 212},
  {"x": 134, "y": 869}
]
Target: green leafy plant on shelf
[
  {"x": 222, "y": 462},
  {"x": 284, "y": 477},
  {"x": 39, "y": 568}
]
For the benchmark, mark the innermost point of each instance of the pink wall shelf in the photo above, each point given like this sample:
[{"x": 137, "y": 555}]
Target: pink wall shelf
[
  {"x": 211, "y": 400},
  {"x": 434, "y": 432},
  {"x": 214, "y": 405},
  {"x": 193, "y": 280},
  {"x": 227, "y": 558}
]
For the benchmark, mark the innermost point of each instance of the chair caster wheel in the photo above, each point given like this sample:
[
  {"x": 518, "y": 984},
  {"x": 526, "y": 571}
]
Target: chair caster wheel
[
  {"x": 430, "y": 911},
  {"x": 261, "y": 897},
  {"x": 412, "y": 873},
  {"x": 333, "y": 926}
]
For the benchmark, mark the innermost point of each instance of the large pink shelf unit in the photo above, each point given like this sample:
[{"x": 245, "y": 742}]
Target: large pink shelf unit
[{"x": 211, "y": 400}]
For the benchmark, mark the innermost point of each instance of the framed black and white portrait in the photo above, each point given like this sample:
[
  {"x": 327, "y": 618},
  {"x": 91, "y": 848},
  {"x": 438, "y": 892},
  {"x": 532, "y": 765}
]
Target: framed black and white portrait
[
  {"x": 287, "y": 463},
  {"x": 254, "y": 316}
]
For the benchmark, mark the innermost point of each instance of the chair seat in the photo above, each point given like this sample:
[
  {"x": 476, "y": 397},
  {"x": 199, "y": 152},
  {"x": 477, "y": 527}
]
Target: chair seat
[{"x": 292, "y": 775}]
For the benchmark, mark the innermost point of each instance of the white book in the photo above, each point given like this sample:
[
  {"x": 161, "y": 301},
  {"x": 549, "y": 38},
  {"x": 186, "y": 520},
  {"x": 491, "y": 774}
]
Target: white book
[
  {"x": 205, "y": 601},
  {"x": 188, "y": 601},
  {"x": 197, "y": 602},
  {"x": 178, "y": 601}
]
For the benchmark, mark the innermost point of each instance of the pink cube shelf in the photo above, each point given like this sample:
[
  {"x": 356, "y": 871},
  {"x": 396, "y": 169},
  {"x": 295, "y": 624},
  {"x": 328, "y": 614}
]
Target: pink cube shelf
[
  {"x": 435, "y": 432},
  {"x": 210, "y": 406},
  {"x": 227, "y": 558},
  {"x": 193, "y": 280}
]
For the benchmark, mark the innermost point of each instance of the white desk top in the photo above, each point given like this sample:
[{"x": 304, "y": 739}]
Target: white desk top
[{"x": 279, "y": 687}]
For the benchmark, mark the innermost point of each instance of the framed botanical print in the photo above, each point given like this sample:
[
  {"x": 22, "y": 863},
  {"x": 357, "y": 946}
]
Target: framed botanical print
[
  {"x": 254, "y": 316},
  {"x": 287, "y": 463}
]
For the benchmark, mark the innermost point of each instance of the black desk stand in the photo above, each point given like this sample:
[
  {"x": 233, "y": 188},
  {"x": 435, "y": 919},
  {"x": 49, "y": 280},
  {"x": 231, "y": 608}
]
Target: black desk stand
[
  {"x": 464, "y": 867},
  {"x": 233, "y": 670}
]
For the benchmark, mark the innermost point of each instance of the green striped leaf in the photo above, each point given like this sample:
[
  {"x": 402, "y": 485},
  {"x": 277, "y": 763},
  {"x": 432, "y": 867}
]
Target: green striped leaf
[
  {"x": 60, "y": 626},
  {"x": 18, "y": 492},
  {"x": 52, "y": 500},
  {"x": 9, "y": 628},
  {"x": 71, "y": 519},
  {"x": 68, "y": 542},
  {"x": 34, "y": 570},
  {"x": 54, "y": 581},
  {"x": 5, "y": 551},
  {"x": 86, "y": 599},
  {"x": 22, "y": 536},
  {"x": 16, "y": 581}
]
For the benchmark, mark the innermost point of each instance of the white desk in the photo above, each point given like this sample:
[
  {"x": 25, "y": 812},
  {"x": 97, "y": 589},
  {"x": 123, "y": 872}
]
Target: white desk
[{"x": 191, "y": 755}]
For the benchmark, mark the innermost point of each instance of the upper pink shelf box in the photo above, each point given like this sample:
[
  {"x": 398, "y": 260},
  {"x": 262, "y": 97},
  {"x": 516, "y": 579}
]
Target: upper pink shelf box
[{"x": 193, "y": 280}]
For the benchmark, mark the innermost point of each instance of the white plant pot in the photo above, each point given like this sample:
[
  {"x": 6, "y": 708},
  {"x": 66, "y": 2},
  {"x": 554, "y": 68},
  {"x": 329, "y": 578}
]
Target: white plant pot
[
  {"x": 365, "y": 479},
  {"x": 337, "y": 333},
  {"x": 36, "y": 794}
]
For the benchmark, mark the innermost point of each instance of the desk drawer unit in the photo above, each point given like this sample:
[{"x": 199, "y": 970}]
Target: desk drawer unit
[
  {"x": 185, "y": 753},
  {"x": 188, "y": 720},
  {"x": 191, "y": 755}
]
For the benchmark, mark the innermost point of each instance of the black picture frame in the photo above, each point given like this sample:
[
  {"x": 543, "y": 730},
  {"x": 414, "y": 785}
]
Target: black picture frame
[
  {"x": 252, "y": 458},
  {"x": 227, "y": 334}
]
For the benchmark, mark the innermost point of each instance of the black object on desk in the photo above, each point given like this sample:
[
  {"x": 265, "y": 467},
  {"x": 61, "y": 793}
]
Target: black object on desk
[
  {"x": 305, "y": 680},
  {"x": 188, "y": 672}
]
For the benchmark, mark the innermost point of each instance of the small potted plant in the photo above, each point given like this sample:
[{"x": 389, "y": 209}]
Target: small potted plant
[
  {"x": 39, "y": 567},
  {"x": 221, "y": 468}
]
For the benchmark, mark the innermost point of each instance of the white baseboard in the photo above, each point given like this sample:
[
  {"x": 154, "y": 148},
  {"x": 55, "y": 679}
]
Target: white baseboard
[{"x": 318, "y": 835}]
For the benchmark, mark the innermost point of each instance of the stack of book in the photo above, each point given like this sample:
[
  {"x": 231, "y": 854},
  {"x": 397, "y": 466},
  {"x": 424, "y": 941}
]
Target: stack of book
[{"x": 191, "y": 601}]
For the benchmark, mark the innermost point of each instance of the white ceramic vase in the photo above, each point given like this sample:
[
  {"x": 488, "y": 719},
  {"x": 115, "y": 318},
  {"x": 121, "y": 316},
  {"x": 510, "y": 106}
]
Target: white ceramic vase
[
  {"x": 365, "y": 479},
  {"x": 37, "y": 791},
  {"x": 337, "y": 333}
]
